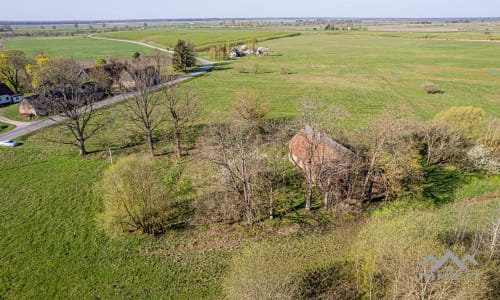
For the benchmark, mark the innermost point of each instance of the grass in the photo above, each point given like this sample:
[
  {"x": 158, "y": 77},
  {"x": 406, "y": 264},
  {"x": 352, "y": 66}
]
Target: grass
[
  {"x": 448, "y": 35},
  {"x": 360, "y": 74},
  {"x": 52, "y": 249},
  {"x": 79, "y": 48},
  {"x": 202, "y": 39},
  {"x": 5, "y": 127},
  {"x": 11, "y": 112}
]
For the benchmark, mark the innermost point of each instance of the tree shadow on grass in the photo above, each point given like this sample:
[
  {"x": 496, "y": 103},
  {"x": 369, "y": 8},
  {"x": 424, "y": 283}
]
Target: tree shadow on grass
[{"x": 441, "y": 183}]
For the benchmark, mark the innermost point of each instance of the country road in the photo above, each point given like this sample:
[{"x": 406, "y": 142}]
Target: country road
[{"x": 29, "y": 127}]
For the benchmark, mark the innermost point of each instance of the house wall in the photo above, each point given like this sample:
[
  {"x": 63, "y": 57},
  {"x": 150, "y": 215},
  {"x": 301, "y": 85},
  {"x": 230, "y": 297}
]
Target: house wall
[
  {"x": 5, "y": 99},
  {"x": 17, "y": 99}
]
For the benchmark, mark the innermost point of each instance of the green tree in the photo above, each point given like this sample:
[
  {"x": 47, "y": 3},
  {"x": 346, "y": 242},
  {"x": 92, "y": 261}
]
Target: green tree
[
  {"x": 184, "y": 56},
  {"x": 12, "y": 68}
]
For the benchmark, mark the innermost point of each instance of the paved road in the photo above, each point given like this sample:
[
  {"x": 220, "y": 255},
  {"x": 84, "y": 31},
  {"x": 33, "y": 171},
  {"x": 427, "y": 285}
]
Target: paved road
[{"x": 28, "y": 127}]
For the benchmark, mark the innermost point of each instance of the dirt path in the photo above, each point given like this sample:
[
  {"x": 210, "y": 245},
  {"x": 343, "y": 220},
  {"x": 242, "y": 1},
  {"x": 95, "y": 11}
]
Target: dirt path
[
  {"x": 482, "y": 198},
  {"x": 12, "y": 122}
]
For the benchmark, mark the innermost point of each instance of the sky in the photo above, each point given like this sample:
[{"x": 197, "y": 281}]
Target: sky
[{"x": 52, "y": 10}]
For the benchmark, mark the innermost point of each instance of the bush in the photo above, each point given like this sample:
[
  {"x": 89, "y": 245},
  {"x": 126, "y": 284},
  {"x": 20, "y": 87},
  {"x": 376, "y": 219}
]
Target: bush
[
  {"x": 389, "y": 252},
  {"x": 140, "y": 195},
  {"x": 284, "y": 71},
  {"x": 432, "y": 89},
  {"x": 468, "y": 119},
  {"x": 484, "y": 159}
]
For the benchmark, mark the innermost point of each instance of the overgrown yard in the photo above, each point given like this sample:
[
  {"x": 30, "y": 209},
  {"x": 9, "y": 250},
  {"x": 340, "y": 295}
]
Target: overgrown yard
[
  {"x": 52, "y": 248},
  {"x": 80, "y": 48}
]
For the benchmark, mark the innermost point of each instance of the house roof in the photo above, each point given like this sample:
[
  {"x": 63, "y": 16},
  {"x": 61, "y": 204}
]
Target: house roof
[
  {"x": 5, "y": 90},
  {"x": 310, "y": 144}
]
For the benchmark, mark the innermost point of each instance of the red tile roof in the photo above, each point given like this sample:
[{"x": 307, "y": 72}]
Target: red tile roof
[{"x": 320, "y": 149}]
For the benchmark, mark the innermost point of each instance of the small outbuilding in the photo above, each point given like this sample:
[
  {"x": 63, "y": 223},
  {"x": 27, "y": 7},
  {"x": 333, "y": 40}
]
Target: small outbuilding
[{"x": 30, "y": 108}]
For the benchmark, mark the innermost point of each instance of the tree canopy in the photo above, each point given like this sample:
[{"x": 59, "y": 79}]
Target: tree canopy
[{"x": 184, "y": 56}]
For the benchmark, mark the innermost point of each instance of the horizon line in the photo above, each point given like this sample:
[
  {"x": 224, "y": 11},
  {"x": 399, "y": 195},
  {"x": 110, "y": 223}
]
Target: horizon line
[{"x": 70, "y": 21}]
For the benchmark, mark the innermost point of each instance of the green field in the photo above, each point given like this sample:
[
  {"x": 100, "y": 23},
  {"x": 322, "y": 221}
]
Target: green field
[
  {"x": 78, "y": 48},
  {"x": 477, "y": 35},
  {"x": 360, "y": 74},
  {"x": 202, "y": 39},
  {"x": 52, "y": 248}
]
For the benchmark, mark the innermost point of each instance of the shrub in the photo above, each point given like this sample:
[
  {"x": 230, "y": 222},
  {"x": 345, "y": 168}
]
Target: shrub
[
  {"x": 485, "y": 159},
  {"x": 140, "y": 195},
  {"x": 468, "y": 119},
  {"x": 389, "y": 252},
  {"x": 100, "y": 61},
  {"x": 432, "y": 89}
]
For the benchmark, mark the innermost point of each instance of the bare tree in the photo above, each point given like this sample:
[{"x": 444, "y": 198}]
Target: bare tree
[
  {"x": 144, "y": 109},
  {"x": 236, "y": 153},
  {"x": 391, "y": 157},
  {"x": 324, "y": 121},
  {"x": 63, "y": 90},
  {"x": 247, "y": 108},
  {"x": 274, "y": 162},
  {"x": 442, "y": 143},
  {"x": 183, "y": 110}
]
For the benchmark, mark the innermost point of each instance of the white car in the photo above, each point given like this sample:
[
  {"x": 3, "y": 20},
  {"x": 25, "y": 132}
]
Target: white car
[{"x": 9, "y": 143}]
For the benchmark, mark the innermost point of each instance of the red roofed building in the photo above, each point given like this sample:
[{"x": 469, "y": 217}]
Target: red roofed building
[{"x": 310, "y": 149}]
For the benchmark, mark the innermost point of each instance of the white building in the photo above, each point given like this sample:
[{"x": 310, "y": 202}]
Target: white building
[{"x": 7, "y": 96}]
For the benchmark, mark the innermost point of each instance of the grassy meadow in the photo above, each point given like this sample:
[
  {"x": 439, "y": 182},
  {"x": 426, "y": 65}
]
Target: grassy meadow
[
  {"x": 52, "y": 247},
  {"x": 202, "y": 39},
  {"x": 80, "y": 48},
  {"x": 477, "y": 35},
  {"x": 361, "y": 75}
]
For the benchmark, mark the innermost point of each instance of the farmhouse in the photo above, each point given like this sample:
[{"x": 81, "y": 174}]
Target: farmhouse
[
  {"x": 311, "y": 151},
  {"x": 7, "y": 96}
]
